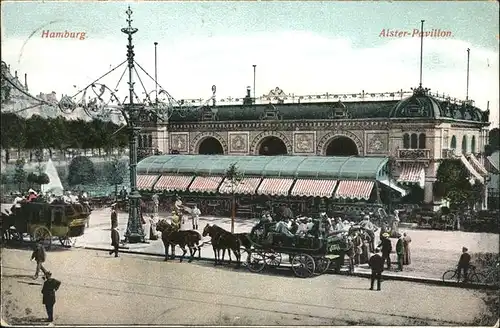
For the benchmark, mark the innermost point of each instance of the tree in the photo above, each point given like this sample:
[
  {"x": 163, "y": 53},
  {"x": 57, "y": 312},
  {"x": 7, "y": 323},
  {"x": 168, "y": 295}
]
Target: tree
[
  {"x": 234, "y": 177},
  {"x": 43, "y": 178},
  {"x": 453, "y": 183},
  {"x": 115, "y": 170},
  {"x": 494, "y": 138},
  {"x": 20, "y": 173},
  {"x": 32, "y": 179},
  {"x": 81, "y": 171}
]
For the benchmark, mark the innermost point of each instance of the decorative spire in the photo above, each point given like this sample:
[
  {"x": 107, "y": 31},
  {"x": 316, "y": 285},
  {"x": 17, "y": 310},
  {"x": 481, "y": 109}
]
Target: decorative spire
[
  {"x": 421, "y": 91},
  {"x": 129, "y": 29}
]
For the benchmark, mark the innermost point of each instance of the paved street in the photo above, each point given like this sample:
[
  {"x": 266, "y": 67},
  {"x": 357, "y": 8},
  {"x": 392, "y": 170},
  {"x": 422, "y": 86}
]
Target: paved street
[
  {"x": 433, "y": 252},
  {"x": 133, "y": 289}
]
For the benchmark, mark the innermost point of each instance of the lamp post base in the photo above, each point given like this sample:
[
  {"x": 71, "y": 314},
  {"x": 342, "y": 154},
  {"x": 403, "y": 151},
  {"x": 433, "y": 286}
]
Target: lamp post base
[{"x": 135, "y": 238}]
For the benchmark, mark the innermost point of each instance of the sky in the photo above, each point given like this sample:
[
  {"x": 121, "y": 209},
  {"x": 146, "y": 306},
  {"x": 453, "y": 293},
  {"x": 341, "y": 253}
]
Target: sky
[{"x": 302, "y": 47}]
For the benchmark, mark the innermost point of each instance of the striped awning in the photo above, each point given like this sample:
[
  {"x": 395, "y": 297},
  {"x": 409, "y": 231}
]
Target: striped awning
[
  {"x": 275, "y": 187},
  {"x": 205, "y": 184},
  {"x": 245, "y": 186},
  {"x": 314, "y": 188},
  {"x": 477, "y": 165},
  {"x": 354, "y": 189},
  {"x": 173, "y": 182},
  {"x": 471, "y": 169},
  {"x": 412, "y": 173},
  {"x": 146, "y": 181}
]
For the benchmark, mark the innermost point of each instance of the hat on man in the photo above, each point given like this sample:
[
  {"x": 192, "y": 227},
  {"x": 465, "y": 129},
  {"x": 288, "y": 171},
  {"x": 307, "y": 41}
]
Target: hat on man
[{"x": 385, "y": 234}]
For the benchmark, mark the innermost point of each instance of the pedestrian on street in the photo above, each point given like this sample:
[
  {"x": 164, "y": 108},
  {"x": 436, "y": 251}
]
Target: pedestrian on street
[
  {"x": 464, "y": 264},
  {"x": 358, "y": 248},
  {"x": 49, "y": 294},
  {"x": 386, "y": 246},
  {"x": 114, "y": 216},
  {"x": 196, "y": 216},
  {"x": 407, "y": 254},
  {"x": 376, "y": 263},
  {"x": 115, "y": 241},
  {"x": 39, "y": 256},
  {"x": 400, "y": 252}
]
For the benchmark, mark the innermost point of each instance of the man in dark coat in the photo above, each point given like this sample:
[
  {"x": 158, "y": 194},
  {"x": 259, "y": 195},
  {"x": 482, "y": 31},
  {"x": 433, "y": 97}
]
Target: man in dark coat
[
  {"x": 114, "y": 216},
  {"x": 463, "y": 264},
  {"x": 39, "y": 256},
  {"x": 376, "y": 263},
  {"x": 115, "y": 241},
  {"x": 49, "y": 294},
  {"x": 386, "y": 245},
  {"x": 400, "y": 251}
]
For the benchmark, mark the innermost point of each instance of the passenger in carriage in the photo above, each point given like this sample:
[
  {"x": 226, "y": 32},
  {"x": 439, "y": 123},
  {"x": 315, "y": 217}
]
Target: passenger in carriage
[
  {"x": 302, "y": 227},
  {"x": 32, "y": 195}
]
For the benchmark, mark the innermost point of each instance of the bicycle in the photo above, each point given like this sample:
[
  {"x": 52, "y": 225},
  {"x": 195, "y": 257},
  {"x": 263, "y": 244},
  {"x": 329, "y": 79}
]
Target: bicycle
[
  {"x": 473, "y": 276},
  {"x": 490, "y": 276}
]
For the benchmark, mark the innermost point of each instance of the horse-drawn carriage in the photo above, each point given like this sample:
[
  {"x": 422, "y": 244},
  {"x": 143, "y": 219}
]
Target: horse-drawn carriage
[
  {"x": 42, "y": 221},
  {"x": 307, "y": 254}
]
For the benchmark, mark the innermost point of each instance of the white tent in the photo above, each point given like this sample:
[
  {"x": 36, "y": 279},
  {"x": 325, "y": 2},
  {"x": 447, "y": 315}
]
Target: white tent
[{"x": 54, "y": 186}]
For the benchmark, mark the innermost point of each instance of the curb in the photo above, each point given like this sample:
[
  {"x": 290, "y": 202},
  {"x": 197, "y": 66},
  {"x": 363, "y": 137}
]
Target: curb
[{"x": 429, "y": 281}]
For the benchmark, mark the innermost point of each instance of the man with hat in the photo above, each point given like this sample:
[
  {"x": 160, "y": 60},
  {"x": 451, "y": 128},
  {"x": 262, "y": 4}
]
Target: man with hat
[
  {"x": 176, "y": 221},
  {"x": 115, "y": 241},
  {"x": 114, "y": 216},
  {"x": 39, "y": 256},
  {"x": 49, "y": 294},
  {"x": 464, "y": 264},
  {"x": 376, "y": 263},
  {"x": 400, "y": 251},
  {"x": 386, "y": 246}
]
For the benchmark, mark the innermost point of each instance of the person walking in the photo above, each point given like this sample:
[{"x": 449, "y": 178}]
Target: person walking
[
  {"x": 50, "y": 286},
  {"x": 195, "y": 216},
  {"x": 114, "y": 216},
  {"x": 358, "y": 248},
  {"x": 39, "y": 256},
  {"x": 386, "y": 246},
  {"x": 400, "y": 252},
  {"x": 115, "y": 241},
  {"x": 407, "y": 253},
  {"x": 376, "y": 263}
]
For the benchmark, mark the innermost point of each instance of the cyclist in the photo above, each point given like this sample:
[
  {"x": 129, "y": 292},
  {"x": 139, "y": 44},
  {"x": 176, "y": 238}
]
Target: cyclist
[{"x": 464, "y": 264}]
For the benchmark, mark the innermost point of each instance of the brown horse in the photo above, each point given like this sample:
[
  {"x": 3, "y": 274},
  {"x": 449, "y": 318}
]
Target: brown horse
[
  {"x": 222, "y": 240},
  {"x": 244, "y": 239},
  {"x": 183, "y": 238}
]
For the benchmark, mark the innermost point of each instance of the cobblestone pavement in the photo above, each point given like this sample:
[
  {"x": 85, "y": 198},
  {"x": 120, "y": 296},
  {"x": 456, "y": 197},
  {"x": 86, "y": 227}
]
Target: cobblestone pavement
[{"x": 135, "y": 289}]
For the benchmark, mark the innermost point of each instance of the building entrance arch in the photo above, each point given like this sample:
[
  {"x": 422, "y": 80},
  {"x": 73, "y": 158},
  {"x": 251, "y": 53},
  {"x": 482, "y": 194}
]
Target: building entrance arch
[
  {"x": 210, "y": 146},
  {"x": 272, "y": 146},
  {"x": 341, "y": 146}
]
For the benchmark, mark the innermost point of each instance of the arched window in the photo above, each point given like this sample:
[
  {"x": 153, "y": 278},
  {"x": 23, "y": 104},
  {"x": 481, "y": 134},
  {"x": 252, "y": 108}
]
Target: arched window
[
  {"x": 144, "y": 140},
  {"x": 453, "y": 144},
  {"x": 139, "y": 142},
  {"x": 473, "y": 145},
  {"x": 414, "y": 141},
  {"x": 406, "y": 141},
  {"x": 150, "y": 141},
  {"x": 464, "y": 144},
  {"x": 421, "y": 141}
]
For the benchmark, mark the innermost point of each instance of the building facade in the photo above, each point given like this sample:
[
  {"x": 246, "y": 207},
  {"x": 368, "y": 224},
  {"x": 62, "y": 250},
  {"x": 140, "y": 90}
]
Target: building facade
[{"x": 415, "y": 129}]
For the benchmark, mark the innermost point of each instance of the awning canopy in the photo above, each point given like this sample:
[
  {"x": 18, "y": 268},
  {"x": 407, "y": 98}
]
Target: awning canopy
[
  {"x": 471, "y": 169},
  {"x": 245, "y": 186},
  {"x": 146, "y": 181},
  {"x": 412, "y": 173},
  {"x": 313, "y": 167},
  {"x": 313, "y": 188},
  {"x": 173, "y": 182},
  {"x": 205, "y": 184},
  {"x": 275, "y": 187},
  {"x": 393, "y": 185},
  {"x": 477, "y": 165},
  {"x": 354, "y": 189}
]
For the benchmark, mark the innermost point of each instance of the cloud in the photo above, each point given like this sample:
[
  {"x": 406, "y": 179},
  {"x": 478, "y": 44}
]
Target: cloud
[{"x": 297, "y": 62}]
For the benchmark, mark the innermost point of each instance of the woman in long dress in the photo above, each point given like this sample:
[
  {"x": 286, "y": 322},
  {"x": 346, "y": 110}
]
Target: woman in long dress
[{"x": 407, "y": 253}]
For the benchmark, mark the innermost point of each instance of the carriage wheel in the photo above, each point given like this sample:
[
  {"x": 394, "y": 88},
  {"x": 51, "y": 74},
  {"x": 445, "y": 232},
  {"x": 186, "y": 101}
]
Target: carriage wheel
[
  {"x": 303, "y": 265},
  {"x": 322, "y": 265},
  {"x": 256, "y": 261},
  {"x": 43, "y": 234},
  {"x": 67, "y": 241},
  {"x": 272, "y": 259}
]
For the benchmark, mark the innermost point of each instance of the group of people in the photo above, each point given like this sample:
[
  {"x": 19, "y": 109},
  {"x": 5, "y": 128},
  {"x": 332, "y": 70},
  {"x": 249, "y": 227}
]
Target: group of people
[{"x": 402, "y": 250}]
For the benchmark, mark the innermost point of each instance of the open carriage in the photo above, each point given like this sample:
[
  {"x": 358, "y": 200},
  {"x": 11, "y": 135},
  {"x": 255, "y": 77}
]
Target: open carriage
[
  {"x": 42, "y": 221},
  {"x": 306, "y": 255}
]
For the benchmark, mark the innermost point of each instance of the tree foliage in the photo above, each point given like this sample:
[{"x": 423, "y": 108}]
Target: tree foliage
[
  {"x": 115, "y": 170},
  {"x": 81, "y": 171},
  {"x": 453, "y": 183},
  {"x": 493, "y": 141},
  {"x": 233, "y": 175},
  {"x": 59, "y": 133},
  {"x": 20, "y": 173}
]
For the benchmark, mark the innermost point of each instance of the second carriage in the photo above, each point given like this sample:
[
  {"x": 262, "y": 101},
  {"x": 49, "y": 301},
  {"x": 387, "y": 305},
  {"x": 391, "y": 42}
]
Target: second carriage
[{"x": 306, "y": 255}]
